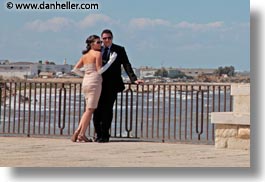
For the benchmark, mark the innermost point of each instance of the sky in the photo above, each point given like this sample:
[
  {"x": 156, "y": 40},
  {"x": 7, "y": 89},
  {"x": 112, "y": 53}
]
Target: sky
[{"x": 155, "y": 33}]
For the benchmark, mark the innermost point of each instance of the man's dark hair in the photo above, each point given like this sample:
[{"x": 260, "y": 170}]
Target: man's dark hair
[{"x": 107, "y": 31}]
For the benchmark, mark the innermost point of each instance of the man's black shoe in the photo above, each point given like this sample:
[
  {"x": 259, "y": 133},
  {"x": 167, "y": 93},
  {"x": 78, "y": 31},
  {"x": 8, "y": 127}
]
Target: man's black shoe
[
  {"x": 97, "y": 139},
  {"x": 103, "y": 140}
]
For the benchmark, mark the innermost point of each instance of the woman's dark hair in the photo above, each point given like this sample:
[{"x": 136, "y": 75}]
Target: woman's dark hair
[
  {"x": 89, "y": 41},
  {"x": 108, "y": 32}
]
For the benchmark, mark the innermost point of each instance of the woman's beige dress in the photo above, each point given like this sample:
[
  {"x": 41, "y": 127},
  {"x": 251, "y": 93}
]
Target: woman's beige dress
[{"x": 91, "y": 86}]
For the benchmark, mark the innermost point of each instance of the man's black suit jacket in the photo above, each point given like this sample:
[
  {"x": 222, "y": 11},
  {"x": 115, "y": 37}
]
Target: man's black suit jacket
[{"x": 112, "y": 76}]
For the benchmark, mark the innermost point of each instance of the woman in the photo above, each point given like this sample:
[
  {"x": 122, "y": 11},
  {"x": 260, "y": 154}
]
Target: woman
[{"x": 91, "y": 85}]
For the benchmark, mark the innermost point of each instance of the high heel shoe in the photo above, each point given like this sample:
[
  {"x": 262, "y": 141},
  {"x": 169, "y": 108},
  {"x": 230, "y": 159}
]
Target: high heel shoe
[
  {"x": 83, "y": 138},
  {"x": 75, "y": 136}
]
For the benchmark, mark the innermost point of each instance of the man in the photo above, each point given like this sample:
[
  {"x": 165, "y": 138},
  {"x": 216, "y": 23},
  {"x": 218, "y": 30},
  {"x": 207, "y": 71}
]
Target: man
[{"x": 111, "y": 85}]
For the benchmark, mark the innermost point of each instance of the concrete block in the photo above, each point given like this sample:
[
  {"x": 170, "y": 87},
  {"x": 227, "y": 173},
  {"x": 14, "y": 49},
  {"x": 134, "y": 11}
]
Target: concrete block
[
  {"x": 220, "y": 143},
  {"x": 237, "y": 143},
  {"x": 230, "y": 118},
  {"x": 241, "y": 104},
  {"x": 226, "y": 131},
  {"x": 240, "y": 89},
  {"x": 244, "y": 133}
]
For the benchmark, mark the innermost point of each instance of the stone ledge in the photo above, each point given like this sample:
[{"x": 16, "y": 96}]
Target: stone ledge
[
  {"x": 230, "y": 118},
  {"x": 238, "y": 89}
]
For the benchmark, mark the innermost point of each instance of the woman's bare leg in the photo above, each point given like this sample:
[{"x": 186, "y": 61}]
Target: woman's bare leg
[
  {"x": 82, "y": 127},
  {"x": 85, "y": 121}
]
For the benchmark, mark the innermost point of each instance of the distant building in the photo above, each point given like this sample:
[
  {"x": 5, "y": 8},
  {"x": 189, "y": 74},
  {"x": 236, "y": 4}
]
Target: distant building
[
  {"x": 4, "y": 62},
  {"x": 54, "y": 68},
  {"x": 172, "y": 72},
  {"x": 146, "y": 72},
  {"x": 194, "y": 72},
  {"x": 46, "y": 74},
  {"x": 19, "y": 69},
  {"x": 30, "y": 69}
]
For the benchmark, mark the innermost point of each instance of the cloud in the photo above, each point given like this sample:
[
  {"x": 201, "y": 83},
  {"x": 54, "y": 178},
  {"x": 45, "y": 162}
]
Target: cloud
[
  {"x": 55, "y": 24},
  {"x": 147, "y": 22},
  {"x": 93, "y": 20},
  {"x": 199, "y": 27},
  {"x": 58, "y": 24},
  {"x": 142, "y": 23}
]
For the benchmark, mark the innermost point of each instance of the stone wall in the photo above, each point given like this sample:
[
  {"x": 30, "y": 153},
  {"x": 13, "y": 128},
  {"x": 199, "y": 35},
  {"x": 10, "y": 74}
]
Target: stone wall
[
  {"x": 232, "y": 129},
  {"x": 232, "y": 136}
]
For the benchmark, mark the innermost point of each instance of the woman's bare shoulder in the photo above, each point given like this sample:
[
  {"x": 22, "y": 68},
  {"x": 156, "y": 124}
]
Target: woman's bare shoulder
[{"x": 95, "y": 53}]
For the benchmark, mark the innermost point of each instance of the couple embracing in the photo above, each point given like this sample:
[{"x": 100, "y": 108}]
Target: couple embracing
[{"x": 102, "y": 82}]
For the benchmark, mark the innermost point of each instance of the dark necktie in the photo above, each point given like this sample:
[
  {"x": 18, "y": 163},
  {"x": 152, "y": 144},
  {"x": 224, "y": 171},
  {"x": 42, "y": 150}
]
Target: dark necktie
[{"x": 105, "y": 56}]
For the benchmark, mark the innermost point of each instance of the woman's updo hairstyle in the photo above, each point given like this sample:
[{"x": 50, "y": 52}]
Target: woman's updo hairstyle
[{"x": 89, "y": 41}]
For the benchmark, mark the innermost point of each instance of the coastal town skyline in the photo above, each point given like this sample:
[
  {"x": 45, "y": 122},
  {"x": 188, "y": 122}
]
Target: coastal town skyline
[{"x": 182, "y": 34}]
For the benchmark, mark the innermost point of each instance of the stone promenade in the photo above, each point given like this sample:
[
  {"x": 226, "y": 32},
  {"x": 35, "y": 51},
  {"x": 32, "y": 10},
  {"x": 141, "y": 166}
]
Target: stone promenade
[{"x": 61, "y": 152}]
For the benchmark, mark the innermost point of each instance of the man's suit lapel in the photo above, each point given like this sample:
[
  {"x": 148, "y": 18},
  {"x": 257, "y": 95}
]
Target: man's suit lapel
[{"x": 113, "y": 48}]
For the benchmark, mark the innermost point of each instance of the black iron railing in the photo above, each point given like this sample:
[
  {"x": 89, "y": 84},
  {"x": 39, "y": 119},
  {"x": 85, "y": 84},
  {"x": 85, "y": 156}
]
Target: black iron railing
[{"x": 163, "y": 112}]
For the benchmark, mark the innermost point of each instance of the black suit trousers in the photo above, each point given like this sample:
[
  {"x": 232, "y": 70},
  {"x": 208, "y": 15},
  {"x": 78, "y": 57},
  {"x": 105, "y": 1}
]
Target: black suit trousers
[{"x": 103, "y": 115}]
